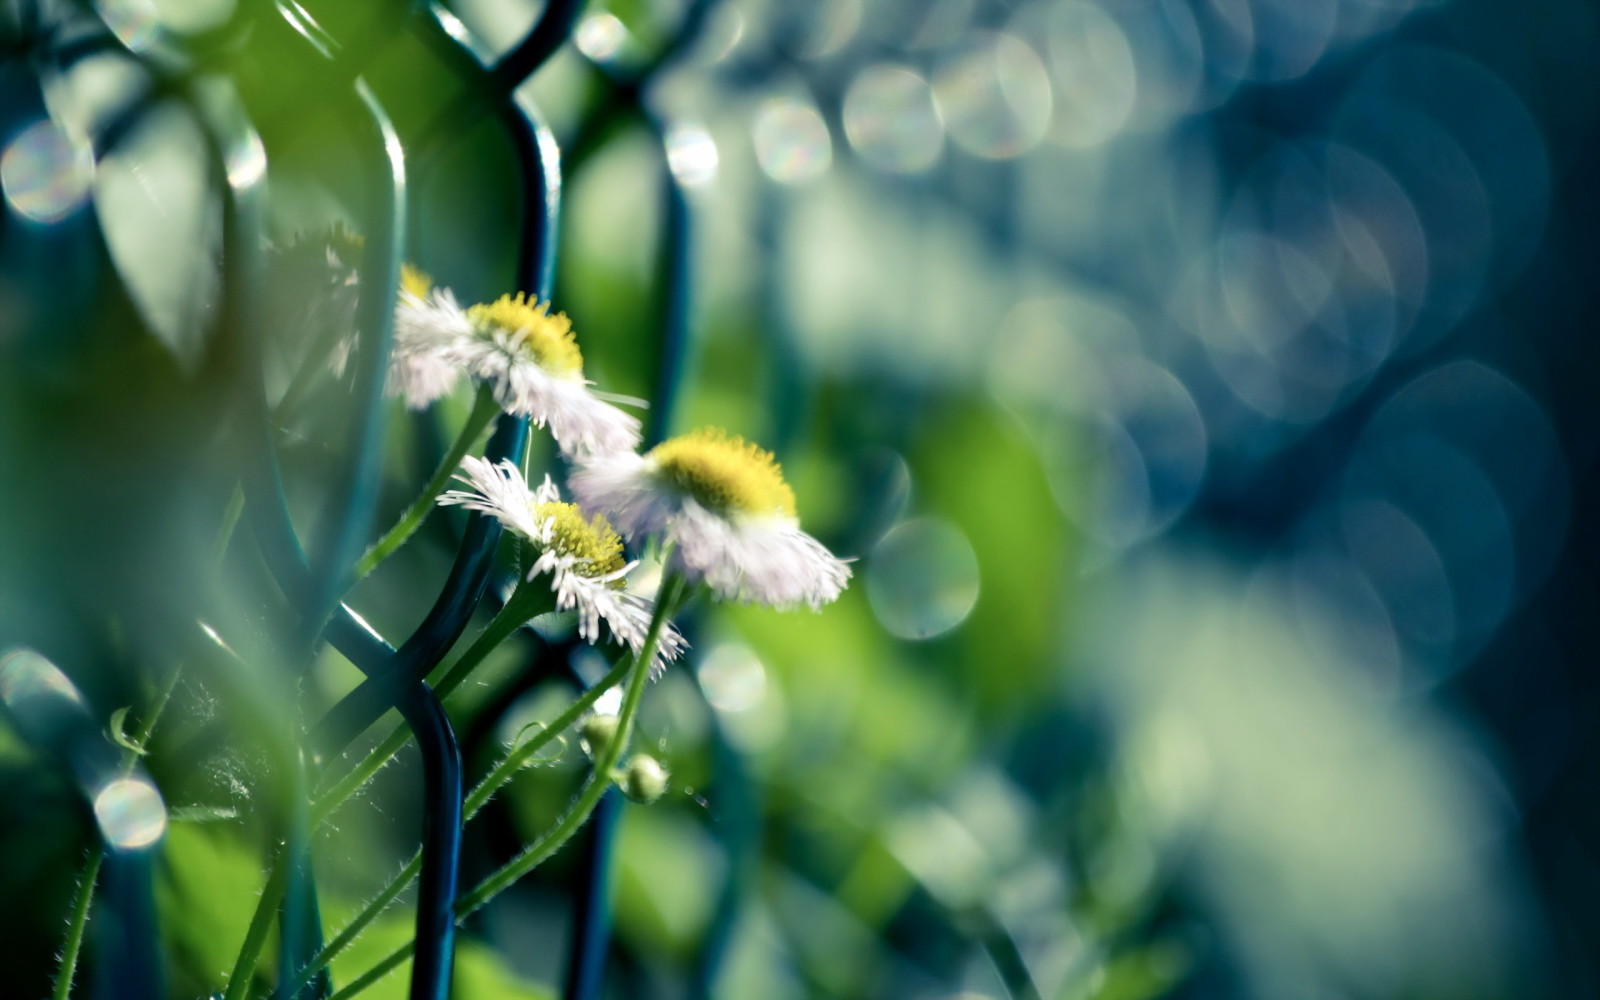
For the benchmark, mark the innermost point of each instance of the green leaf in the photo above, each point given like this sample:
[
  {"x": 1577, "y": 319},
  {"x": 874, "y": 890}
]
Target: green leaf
[
  {"x": 118, "y": 732},
  {"x": 667, "y": 868},
  {"x": 206, "y": 889},
  {"x": 161, "y": 226}
]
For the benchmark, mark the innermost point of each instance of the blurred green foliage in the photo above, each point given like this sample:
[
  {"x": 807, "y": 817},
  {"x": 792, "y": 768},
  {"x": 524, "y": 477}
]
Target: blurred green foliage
[{"x": 1125, "y": 774}]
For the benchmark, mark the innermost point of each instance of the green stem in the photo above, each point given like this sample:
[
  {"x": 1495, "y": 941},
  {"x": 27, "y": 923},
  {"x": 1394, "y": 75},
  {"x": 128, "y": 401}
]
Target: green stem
[
  {"x": 528, "y": 600},
  {"x": 141, "y": 735},
  {"x": 244, "y": 967},
  {"x": 376, "y": 973},
  {"x": 518, "y": 758},
  {"x": 75, "y": 926},
  {"x": 84, "y": 897},
  {"x": 148, "y": 727},
  {"x": 358, "y": 923},
  {"x": 496, "y": 779},
  {"x": 363, "y": 772},
  {"x": 598, "y": 783},
  {"x": 1003, "y": 952},
  {"x": 233, "y": 678},
  {"x": 484, "y": 409}
]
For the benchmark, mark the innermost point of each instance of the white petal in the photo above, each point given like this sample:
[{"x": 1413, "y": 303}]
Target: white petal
[
  {"x": 421, "y": 365},
  {"x": 624, "y": 489},
  {"x": 627, "y": 615},
  {"x": 767, "y": 560},
  {"x": 547, "y": 491},
  {"x": 582, "y": 424},
  {"x": 500, "y": 491},
  {"x": 420, "y": 377},
  {"x": 435, "y": 320}
]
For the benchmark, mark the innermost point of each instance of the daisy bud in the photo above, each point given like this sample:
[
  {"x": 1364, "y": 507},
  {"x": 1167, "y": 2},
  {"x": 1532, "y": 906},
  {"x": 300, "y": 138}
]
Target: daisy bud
[
  {"x": 597, "y": 732},
  {"x": 644, "y": 780}
]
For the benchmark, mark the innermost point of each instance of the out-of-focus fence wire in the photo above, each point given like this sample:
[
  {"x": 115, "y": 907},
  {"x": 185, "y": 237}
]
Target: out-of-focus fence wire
[{"x": 1271, "y": 287}]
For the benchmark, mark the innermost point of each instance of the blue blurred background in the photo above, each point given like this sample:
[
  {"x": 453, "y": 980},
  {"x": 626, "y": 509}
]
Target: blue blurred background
[{"x": 1202, "y": 385}]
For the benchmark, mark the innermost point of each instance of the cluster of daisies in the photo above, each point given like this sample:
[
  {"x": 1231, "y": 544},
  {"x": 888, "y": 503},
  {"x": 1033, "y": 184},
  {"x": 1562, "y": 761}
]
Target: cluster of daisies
[{"x": 715, "y": 506}]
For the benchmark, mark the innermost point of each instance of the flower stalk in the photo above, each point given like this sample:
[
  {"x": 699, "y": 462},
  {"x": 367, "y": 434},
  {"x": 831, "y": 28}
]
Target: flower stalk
[
  {"x": 589, "y": 796},
  {"x": 484, "y": 409},
  {"x": 83, "y": 898},
  {"x": 514, "y": 761},
  {"x": 76, "y": 924}
]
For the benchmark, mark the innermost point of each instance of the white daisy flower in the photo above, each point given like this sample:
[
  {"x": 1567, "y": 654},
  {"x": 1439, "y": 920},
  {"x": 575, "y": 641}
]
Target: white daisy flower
[
  {"x": 533, "y": 362},
  {"x": 583, "y": 558},
  {"x": 514, "y": 344},
  {"x": 724, "y": 507},
  {"x": 427, "y": 324}
]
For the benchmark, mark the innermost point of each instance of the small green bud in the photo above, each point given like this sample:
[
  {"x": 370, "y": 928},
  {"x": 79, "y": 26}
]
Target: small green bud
[
  {"x": 644, "y": 780},
  {"x": 597, "y": 732}
]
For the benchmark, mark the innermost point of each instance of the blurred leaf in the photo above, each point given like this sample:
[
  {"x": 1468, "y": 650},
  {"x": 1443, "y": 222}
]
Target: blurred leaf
[
  {"x": 1138, "y": 974},
  {"x": 977, "y": 468},
  {"x": 668, "y": 874},
  {"x": 856, "y": 699},
  {"x": 161, "y": 227},
  {"x": 839, "y": 951},
  {"x": 206, "y": 890},
  {"x": 877, "y": 885}
]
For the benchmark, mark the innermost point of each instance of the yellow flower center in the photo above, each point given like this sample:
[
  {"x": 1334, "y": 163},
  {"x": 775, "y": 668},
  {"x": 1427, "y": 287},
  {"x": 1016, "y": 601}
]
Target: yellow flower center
[
  {"x": 415, "y": 281},
  {"x": 548, "y": 339},
  {"x": 594, "y": 544},
  {"x": 726, "y": 474}
]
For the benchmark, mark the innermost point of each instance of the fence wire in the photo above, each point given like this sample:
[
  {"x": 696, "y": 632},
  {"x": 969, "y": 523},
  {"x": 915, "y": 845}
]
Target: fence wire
[{"x": 319, "y": 65}]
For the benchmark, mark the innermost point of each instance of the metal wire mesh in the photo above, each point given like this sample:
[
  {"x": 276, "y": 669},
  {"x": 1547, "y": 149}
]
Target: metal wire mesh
[
  {"x": 1028, "y": 288},
  {"x": 316, "y": 577}
]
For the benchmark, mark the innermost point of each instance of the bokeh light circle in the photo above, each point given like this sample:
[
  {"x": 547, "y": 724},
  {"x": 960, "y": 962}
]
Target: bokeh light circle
[
  {"x": 1142, "y": 447},
  {"x": 1474, "y": 461},
  {"x": 817, "y": 29},
  {"x": 732, "y": 677},
  {"x": 1291, "y": 36},
  {"x": 25, "y": 675},
  {"x": 134, "y": 22},
  {"x": 1317, "y": 275},
  {"x": 600, "y": 36},
  {"x": 1170, "y": 58},
  {"x": 1405, "y": 566},
  {"x": 891, "y": 120},
  {"x": 1478, "y": 136},
  {"x": 46, "y": 173},
  {"x": 791, "y": 141},
  {"x": 994, "y": 95},
  {"x": 1092, "y": 68},
  {"x": 130, "y": 813},
  {"x": 691, "y": 154},
  {"x": 922, "y": 578}
]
